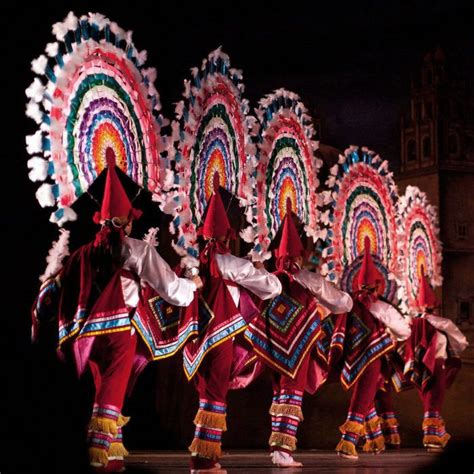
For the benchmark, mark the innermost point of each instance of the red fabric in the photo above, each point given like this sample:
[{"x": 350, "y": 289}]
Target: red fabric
[
  {"x": 216, "y": 223},
  {"x": 384, "y": 400},
  {"x": 208, "y": 257},
  {"x": 426, "y": 296},
  {"x": 214, "y": 374},
  {"x": 290, "y": 242},
  {"x": 365, "y": 388},
  {"x": 115, "y": 202},
  {"x": 283, "y": 382},
  {"x": 111, "y": 364},
  {"x": 368, "y": 274},
  {"x": 433, "y": 395}
]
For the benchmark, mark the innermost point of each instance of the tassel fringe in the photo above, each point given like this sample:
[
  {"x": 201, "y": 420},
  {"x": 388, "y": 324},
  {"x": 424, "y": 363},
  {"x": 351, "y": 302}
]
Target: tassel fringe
[
  {"x": 374, "y": 445},
  {"x": 211, "y": 420},
  {"x": 103, "y": 425},
  {"x": 282, "y": 440},
  {"x": 373, "y": 424},
  {"x": 346, "y": 447},
  {"x": 392, "y": 439},
  {"x": 122, "y": 420},
  {"x": 441, "y": 441},
  {"x": 436, "y": 422},
  {"x": 117, "y": 450},
  {"x": 97, "y": 455},
  {"x": 352, "y": 427},
  {"x": 389, "y": 423},
  {"x": 206, "y": 449},
  {"x": 278, "y": 409}
]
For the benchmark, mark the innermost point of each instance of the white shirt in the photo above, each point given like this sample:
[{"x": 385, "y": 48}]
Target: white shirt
[
  {"x": 242, "y": 272},
  {"x": 328, "y": 295},
  {"x": 392, "y": 319},
  {"x": 142, "y": 259},
  {"x": 456, "y": 339}
]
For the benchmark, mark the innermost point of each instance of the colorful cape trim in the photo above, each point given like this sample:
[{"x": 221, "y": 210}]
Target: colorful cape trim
[
  {"x": 286, "y": 329},
  {"x": 350, "y": 342}
]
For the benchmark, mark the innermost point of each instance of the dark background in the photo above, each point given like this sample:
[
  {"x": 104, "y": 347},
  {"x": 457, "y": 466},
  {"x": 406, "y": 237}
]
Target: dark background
[{"x": 349, "y": 61}]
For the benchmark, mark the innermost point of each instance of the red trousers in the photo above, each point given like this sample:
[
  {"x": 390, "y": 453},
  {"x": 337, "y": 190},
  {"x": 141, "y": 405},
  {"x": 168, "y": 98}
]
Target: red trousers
[
  {"x": 213, "y": 376},
  {"x": 111, "y": 364},
  {"x": 365, "y": 388},
  {"x": 283, "y": 382},
  {"x": 433, "y": 395}
]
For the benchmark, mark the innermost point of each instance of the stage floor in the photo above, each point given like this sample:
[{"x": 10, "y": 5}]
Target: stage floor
[{"x": 317, "y": 461}]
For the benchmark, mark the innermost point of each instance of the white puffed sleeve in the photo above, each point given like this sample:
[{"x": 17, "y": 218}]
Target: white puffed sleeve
[
  {"x": 328, "y": 295},
  {"x": 144, "y": 260},
  {"x": 392, "y": 319},
  {"x": 456, "y": 339},
  {"x": 257, "y": 280}
]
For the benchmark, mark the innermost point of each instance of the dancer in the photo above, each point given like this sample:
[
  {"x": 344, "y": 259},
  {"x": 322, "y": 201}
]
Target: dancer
[
  {"x": 97, "y": 292},
  {"x": 224, "y": 307},
  {"x": 432, "y": 362},
  {"x": 285, "y": 333}
]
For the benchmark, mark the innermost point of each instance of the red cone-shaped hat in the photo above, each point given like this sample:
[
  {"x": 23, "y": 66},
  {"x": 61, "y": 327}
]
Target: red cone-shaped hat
[
  {"x": 368, "y": 276},
  {"x": 426, "y": 295},
  {"x": 216, "y": 224},
  {"x": 115, "y": 203},
  {"x": 290, "y": 241}
]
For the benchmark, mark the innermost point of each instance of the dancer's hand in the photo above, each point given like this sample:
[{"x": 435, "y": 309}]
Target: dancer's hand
[{"x": 197, "y": 281}]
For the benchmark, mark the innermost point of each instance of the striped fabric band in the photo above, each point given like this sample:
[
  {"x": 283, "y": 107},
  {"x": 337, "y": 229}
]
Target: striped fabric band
[{"x": 215, "y": 407}]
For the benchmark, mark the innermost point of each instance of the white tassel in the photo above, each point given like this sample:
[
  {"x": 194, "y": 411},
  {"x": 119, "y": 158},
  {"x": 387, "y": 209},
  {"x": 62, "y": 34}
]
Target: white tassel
[
  {"x": 100, "y": 20},
  {"x": 68, "y": 216},
  {"x": 34, "y": 143},
  {"x": 35, "y": 91},
  {"x": 45, "y": 195},
  {"x": 151, "y": 236},
  {"x": 33, "y": 111},
  {"x": 39, "y": 168},
  {"x": 248, "y": 234},
  {"x": 52, "y": 49},
  {"x": 190, "y": 262},
  {"x": 61, "y": 28},
  {"x": 38, "y": 65},
  {"x": 168, "y": 181},
  {"x": 58, "y": 252},
  {"x": 142, "y": 57}
]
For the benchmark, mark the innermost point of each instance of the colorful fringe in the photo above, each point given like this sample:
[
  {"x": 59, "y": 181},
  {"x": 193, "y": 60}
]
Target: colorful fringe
[
  {"x": 286, "y": 415},
  {"x": 102, "y": 431},
  {"x": 374, "y": 440},
  {"x": 352, "y": 429},
  {"x": 434, "y": 430},
  {"x": 390, "y": 429},
  {"x": 210, "y": 422}
]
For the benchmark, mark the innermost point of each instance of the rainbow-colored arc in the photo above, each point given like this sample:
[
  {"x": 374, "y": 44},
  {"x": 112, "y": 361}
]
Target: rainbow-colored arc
[
  {"x": 419, "y": 245},
  {"x": 360, "y": 203},
  {"x": 98, "y": 96},
  {"x": 286, "y": 167}
]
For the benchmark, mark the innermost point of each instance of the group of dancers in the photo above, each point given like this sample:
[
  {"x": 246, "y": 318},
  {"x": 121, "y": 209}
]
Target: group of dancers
[{"x": 115, "y": 297}]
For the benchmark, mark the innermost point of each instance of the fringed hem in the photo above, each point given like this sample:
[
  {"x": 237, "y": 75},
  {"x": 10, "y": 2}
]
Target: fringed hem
[
  {"x": 434, "y": 440},
  {"x": 346, "y": 447},
  {"x": 373, "y": 424},
  {"x": 433, "y": 422},
  {"x": 117, "y": 450},
  {"x": 98, "y": 456},
  {"x": 283, "y": 440},
  {"x": 352, "y": 427},
  {"x": 389, "y": 423},
  {"x": 280, "y": 409},
  {"x": 211, "y": 420},
  {"x": 374, "y": 445},
  {"x": 206, "y": 449},
  {"x": 103, "y": 425},
  {"x": 392, "y": 439},
  {"x": 122, "y": 420}
]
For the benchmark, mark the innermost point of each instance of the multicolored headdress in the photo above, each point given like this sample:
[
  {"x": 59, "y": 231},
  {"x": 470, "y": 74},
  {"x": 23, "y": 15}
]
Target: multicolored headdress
[
  {"x": 212, "y": 135},
  {"x": 287, "y": 169},
  {"x": 93, "y": 93},
  {"x": 359, "y": 202},
  {"x": 419, "y": 246}
]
